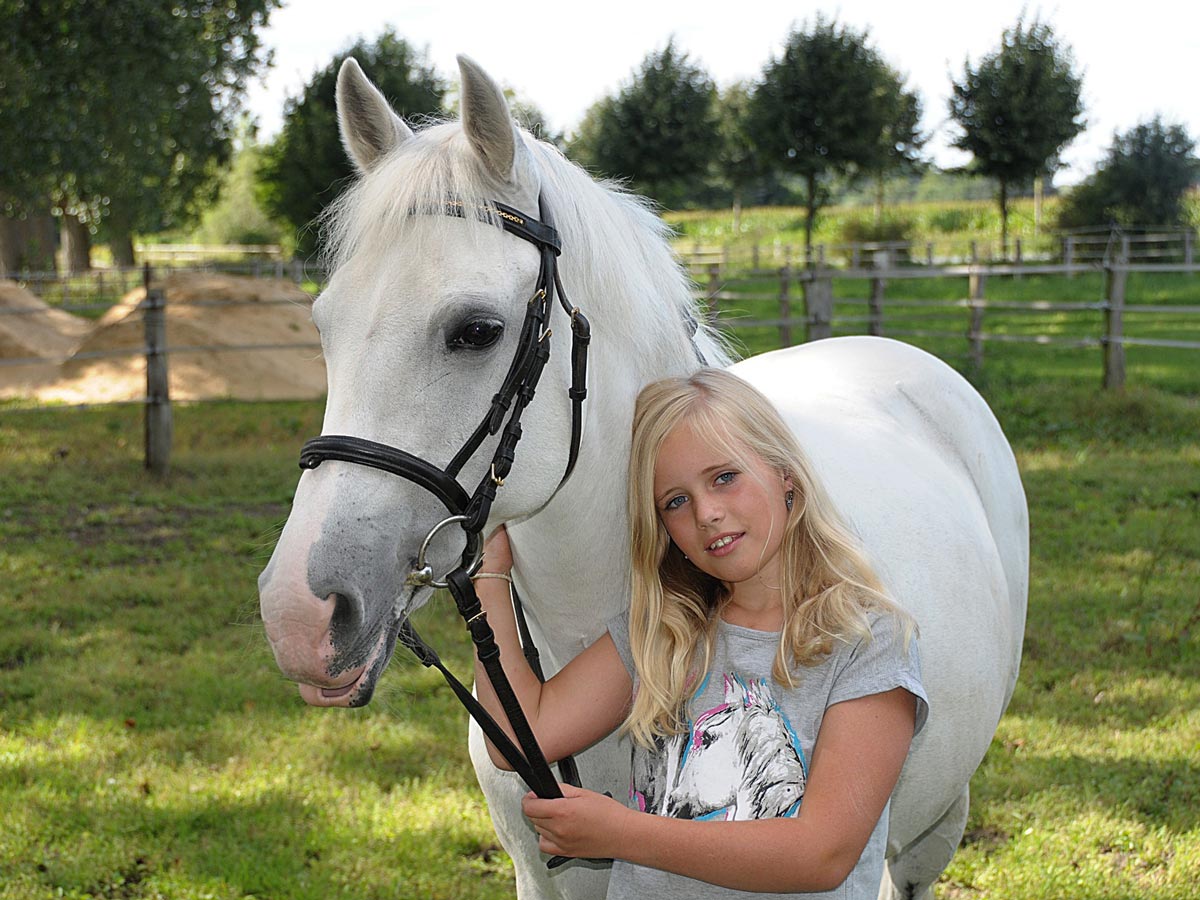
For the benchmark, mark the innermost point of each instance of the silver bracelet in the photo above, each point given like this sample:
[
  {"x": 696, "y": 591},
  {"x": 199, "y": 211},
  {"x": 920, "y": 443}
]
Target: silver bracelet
[{"x": 503, "y": 575}]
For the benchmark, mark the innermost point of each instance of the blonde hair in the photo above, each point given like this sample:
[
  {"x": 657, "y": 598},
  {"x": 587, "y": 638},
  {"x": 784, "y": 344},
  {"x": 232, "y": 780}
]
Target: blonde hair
[{"x": 827, "y": 584}]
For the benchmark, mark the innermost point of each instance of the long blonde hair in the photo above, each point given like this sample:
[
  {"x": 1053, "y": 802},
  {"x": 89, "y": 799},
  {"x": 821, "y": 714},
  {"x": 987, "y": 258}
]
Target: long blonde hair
[{"x": 827, "y": 584}]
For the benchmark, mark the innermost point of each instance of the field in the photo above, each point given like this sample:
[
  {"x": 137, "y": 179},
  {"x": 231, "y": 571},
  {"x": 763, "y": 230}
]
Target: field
[{"x": 150, "y": 749}]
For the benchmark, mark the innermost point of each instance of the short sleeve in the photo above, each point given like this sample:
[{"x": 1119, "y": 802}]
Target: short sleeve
[
  {"x": 618, "y": 629},
  {"x": 888, "y": 660}
]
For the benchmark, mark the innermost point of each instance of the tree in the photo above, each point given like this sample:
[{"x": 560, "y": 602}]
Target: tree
[
  {"x": 306, "y": 167},
  {"x": 1142, "y": 180},
  {"x": 658, "y": 131},
  {"x": 828, "y": 106},
  {"x": 1018, "y": 109},
  {"x": 122, "y": 110},
  {"x": 900, "y": 143},
  {"x": 737, "y": 161}
]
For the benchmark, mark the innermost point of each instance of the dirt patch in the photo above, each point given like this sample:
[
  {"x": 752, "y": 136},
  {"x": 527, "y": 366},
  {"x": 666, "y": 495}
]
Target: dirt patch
[
  {"x": 205, "y": 313},
  {"x": 31, "y": 329}
]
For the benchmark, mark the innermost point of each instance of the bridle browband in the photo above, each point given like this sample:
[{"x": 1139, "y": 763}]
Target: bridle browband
[{"x": 471, "y": 511}]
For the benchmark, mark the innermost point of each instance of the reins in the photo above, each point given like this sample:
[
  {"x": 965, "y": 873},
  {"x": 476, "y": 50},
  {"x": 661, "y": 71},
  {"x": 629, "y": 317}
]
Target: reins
[{"x": 470, "y": 511}]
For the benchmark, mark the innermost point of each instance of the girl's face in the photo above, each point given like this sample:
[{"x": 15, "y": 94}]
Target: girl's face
[{"x": 725, "y": 513}]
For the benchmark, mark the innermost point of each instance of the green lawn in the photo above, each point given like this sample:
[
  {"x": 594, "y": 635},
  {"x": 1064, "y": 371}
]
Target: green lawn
[{"x": 149, "y": 747}]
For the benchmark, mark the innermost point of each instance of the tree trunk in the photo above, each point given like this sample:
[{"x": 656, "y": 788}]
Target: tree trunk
[
  {"x": 121, "y": 247},
  {"x": 737, "y": 211},
  {"x": 878, "y": 203},
  {"x": 1004, "y": 219},
  {"x": 27, "y": 244},
  {"x": 76, "y": 245},
  {"x": 10, "y": 245},
  {"x": 810, "y": 213}
]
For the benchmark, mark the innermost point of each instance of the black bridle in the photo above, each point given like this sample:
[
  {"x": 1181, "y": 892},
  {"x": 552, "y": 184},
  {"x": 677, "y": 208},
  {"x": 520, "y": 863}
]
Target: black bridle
[{"x": 471, "y": 511}]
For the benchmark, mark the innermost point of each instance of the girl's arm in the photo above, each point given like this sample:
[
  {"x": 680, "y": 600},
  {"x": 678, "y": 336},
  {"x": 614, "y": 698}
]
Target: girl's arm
[
  {"x": 856, "y": 762},
  {"x": 581, "y": 704}
]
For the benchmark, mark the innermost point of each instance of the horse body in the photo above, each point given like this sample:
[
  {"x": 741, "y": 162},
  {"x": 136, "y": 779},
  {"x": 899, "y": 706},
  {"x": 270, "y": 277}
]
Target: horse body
[{"x": 910, "y": 453}]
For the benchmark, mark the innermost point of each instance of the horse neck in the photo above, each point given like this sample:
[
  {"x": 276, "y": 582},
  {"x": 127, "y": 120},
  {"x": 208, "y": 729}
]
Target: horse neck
[{"x": 572, "y": 557}]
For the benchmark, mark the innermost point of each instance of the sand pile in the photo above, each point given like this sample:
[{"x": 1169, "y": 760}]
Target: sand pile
[
  {"x": 205, "y": 312},
  {"x": 30, "y": 329}
]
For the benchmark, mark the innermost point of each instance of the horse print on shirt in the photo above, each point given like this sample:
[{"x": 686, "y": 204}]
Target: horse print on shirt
[{"x": 740, "y": 760}]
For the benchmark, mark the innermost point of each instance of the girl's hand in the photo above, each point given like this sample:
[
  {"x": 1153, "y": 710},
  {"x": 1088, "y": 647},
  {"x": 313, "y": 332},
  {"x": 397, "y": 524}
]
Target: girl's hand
[
  {"x": 497, "y": 555},
  {"x": 583, "y": 823}
]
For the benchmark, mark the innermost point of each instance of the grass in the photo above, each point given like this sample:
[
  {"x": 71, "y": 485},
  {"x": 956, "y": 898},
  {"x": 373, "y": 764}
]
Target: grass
[{"x": 149, "y": 748}]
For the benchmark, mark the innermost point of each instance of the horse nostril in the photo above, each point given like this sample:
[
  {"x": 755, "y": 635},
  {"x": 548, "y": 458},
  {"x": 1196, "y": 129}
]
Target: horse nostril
[{"x": 347, "y": 614}]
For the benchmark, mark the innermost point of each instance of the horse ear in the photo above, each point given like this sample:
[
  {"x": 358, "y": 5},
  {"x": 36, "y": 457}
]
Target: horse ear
[
  {"x": 370, "y": 128},
  {"x": 487, "y": 121}
]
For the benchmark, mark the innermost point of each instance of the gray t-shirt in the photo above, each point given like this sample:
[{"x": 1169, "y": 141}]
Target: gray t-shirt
[{"x": 749, "y": 742}]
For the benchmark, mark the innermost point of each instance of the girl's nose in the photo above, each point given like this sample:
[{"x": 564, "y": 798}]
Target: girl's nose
[{"x": 707, "y": 511}]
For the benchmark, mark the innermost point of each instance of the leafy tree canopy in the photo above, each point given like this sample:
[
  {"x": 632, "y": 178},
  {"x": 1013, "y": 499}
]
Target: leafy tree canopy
[
  {"x": 1018, "y": 108},
  {"x": 120, "y": 111},
  {"x": 306, "y": 167},
  {"x": 831, "y": 105},
  {"x": 658, "y": 132},
  {"x": 1142, "y": 180}
]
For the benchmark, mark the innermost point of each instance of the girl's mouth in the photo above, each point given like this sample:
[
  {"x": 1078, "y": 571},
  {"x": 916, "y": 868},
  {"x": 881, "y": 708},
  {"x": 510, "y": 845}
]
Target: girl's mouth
[{"x": 724, "y": 544}]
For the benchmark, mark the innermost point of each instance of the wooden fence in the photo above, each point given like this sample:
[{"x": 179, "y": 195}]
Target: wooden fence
[{"x": 805, "y": 298}]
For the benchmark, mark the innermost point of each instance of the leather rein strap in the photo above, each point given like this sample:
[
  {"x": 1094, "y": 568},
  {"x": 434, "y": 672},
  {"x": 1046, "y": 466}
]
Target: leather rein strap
[{"x": 472, "y": 510}]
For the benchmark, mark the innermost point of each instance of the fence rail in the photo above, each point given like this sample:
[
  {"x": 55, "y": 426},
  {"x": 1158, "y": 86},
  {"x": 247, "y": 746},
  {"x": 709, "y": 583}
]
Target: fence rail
[
  {"x": 816, "y": 316},
  {"x": 805, "y": 307}
]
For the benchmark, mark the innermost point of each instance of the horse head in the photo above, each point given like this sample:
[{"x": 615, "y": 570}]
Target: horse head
[{"x": 419, "y": 325}]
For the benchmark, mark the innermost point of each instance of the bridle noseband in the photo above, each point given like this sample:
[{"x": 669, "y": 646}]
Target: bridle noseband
[{"x": 471, "y": 511}]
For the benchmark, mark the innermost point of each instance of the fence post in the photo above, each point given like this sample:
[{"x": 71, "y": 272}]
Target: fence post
[
  {"x": 157, "y": 419},
  {"x": 714, "y": 286},
  {"x": 1068, "y": 254},
  {"x": 1116, "y": 274},
  {"x": 1188, "y": 248},
  {"x": 754, "y": 260},
  {"x": 929, "y": 253},
  {"x": 977, "y": 283},
  {"x": 1017, "y": 257},
  {"x": 818, "y": 304},
  {"x": 878, "y": 286},
  {"x": 785, "y": 306}
]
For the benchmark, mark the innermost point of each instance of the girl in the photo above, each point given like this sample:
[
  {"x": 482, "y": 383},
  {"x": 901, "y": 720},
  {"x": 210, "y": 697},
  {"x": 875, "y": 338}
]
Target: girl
[{"x": 770, "y": 688}]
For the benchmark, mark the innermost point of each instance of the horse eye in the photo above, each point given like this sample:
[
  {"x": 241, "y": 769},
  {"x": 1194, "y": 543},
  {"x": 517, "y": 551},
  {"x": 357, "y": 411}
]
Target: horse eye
[{"x": 476, "y": 334}]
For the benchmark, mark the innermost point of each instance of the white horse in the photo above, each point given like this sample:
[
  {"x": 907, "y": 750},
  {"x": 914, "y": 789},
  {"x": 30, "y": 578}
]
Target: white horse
[{"x": 418, "y": 326}]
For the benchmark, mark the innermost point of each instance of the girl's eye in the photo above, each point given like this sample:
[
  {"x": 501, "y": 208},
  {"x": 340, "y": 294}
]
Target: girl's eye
[
  {"x": 725, "y": 477},
  {"x": 673, "y": 503}
]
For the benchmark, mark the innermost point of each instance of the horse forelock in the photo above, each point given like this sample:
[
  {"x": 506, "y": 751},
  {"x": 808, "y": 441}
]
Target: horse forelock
[{"x": 617, "y": 263}]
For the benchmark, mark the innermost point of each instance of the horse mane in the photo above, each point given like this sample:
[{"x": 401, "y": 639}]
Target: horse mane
[{"x": 616, "y": 250}]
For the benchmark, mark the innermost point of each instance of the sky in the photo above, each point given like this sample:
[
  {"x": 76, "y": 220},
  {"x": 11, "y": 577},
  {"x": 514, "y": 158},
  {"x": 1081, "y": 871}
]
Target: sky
[{"x": 1137, "y": 59}]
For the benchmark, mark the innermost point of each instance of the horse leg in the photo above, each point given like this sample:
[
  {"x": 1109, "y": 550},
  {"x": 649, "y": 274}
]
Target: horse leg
[{"x": 911, "y": 873}]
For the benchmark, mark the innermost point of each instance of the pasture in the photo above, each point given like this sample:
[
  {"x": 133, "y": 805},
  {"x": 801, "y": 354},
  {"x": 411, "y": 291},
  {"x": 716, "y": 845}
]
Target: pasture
[{"x": 149, "y": 748}]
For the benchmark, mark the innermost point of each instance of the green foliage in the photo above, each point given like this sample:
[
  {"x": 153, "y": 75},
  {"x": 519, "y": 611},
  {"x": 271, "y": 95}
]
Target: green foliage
[
  {"x": 889, "y": 228},
  {"x": 831, "y": 105},
  {"x": 1142, "y": 180},
  {"x": 306, "y": 167},
  {"x": 125, "y": 107},
  {"x": 237, "y": 217},
  {"x": 1018, "y": 107},
  {"x": 658, "y": 132}
]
